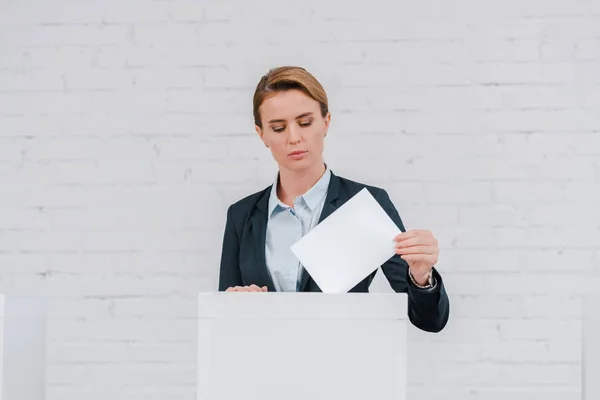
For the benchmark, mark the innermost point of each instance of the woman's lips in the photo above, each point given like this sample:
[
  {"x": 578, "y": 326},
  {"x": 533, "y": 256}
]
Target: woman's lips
[{"x": 298, "y": 154}]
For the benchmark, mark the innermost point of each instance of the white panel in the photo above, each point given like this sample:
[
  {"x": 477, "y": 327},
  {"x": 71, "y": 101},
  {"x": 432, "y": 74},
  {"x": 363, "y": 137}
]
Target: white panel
[
  {"x": 24, "y": 355},
  {"x": 348, "y": 347},
  {"x": 1, "y": 341},
  {"x": 591, "y": 348}
]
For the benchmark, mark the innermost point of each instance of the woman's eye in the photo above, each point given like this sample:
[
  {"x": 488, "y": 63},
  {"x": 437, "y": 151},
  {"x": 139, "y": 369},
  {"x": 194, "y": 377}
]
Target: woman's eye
[
  {"x": 305, "y": 124},
  {"x": 278, "y": 130}
]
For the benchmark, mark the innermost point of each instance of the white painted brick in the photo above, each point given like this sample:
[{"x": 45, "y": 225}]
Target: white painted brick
[
  {"x": 357, "y": 99},
  {"x": 183, "y": 78},
  {"x": 492, "y": 215},
  {"x": 529, "y": 121},
  {"x": 508, "y": 28},
  {"x": 13, "y": 103},
  {"x": 409, "y": 29},
  {"x": 126, "y": 102},
  {"x": 78, "y": 172},
  {"x": 62, "y": 392},
  {"x": 514, "y": 331},
  {"x": 473, "y": 193},
  {"x": 587, "y": 50},
  {"x": 525, "y": 73},
  {"x": 66, "y": 34},
  {"x": 190, "y": 11},
  {"x": 590, "y": 98},
  {"x": 529, "y": 144},
  {"x": 136, "y": 11},
  {"x": 522, "y": 306},
  {"x": 552, "y": 237},
  {"x": 527, "y": 193},
  {"x": 74, "y": 12},
  {"x": 521, "y": 352},
  {"x": 86, "y": 147},
  {"x": 486, "y": 49},
  {"x": 126, "y": 131},
  {"x": 511, "y": 284},
  {"x": 557, "y": 50},
  {"x": 101, "y": 285},
  {"x": 116, "y": 261},
  {"x": 117, "y": 376},
  {"x": 482, "y": 392},
  {"x": 558, "y": 9},
  {"x": 458, "y": 260},
  {"x": 466, "y": 237},
  {"x": 572, "y": 215},
  {"x": 212, "y": 103},
  {"x": 429, "y": 215},
  {"x": 541, "y": 97},
  {"x": 97, "y": 79},
  {"x": 586, "y": 72},
  {"x": 25, "y": 57},
  {"x": 224, "y": 78},
  {"x": 165, "y": 33},
  {"x": 508, "y": 374},
  {"x": 493, "y": 330},
  {"x": 164, "y": 331},
  {"x": 121, "y": 352},
  {"x": 20, "y": 80},
  {"x": 405, "y": 74},
  {"x": 582, "y": 193},
  {"x": 246, "y": 32},
  {"x": 433, "y": 51},
  {"x": 563, "y": 260}
]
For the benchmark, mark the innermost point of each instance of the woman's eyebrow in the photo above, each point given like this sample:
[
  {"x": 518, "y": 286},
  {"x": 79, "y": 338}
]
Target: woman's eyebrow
[{"x": 306, "y": 114}]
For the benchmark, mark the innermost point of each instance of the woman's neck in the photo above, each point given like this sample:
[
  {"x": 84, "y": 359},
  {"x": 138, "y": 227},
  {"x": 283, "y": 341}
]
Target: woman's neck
[{"x": 295, "y": 183}]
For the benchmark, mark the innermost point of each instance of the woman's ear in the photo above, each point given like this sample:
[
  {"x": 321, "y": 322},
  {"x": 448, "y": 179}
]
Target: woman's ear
[
  {"x": 327, "y": 122},
  {"x": 259, "y": 131}
]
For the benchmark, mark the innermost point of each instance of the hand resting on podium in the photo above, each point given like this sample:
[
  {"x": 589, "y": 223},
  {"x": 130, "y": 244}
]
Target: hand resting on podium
[{"x": 251, "y": 288}]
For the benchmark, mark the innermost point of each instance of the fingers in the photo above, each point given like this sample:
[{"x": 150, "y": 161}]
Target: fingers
[
  {"x": 416, "y": 250},
  {"x": 415, "y": 239},
  {"x": 426, "y": 259},
  {"x": 251, "y": 288},
  {"x": 411, "y": 233},
  {"x": 254, "y": 288}
]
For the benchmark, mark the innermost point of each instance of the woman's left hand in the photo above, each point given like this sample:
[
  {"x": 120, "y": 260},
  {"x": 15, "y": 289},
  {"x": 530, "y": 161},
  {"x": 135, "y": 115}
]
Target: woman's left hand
[{"x": 419, "y": 248}]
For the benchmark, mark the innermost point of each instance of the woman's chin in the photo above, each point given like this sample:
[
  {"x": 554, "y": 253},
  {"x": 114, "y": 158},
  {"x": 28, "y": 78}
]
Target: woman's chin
[{"x": 299, "y": 165}]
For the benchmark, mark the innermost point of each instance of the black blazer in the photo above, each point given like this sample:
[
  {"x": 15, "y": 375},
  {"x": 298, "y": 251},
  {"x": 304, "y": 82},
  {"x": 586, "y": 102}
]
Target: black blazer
[{"x": 243, "y": 260}]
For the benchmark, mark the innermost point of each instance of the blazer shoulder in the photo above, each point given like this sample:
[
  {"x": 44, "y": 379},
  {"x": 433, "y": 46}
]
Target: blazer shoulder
[
  {"x": 243, "y": 207},
  {"x": 351, "y": 187}
]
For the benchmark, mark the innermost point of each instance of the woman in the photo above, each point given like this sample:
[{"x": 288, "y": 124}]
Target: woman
[{"x": 291, "y": 117}]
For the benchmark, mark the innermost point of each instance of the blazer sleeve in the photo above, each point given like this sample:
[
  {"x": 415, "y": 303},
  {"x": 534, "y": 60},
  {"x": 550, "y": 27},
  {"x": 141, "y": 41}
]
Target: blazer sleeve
[
  {"x": 428, "y": 309},
  {"x": 229, "y": 273}
]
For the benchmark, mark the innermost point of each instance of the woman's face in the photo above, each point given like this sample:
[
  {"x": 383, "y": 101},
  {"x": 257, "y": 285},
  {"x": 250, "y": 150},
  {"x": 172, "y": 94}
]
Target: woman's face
[{"x": 293, "y": 129}]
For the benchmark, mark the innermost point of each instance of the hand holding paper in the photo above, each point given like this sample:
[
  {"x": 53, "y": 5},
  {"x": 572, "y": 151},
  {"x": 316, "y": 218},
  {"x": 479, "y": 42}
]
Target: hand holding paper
[
  {"x": 419, "y": 248},
  {"x": 347, "y": 246}
]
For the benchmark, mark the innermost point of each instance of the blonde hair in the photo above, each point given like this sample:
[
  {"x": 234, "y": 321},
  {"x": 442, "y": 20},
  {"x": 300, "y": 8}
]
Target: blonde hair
[{"x": 287, "y": 78}]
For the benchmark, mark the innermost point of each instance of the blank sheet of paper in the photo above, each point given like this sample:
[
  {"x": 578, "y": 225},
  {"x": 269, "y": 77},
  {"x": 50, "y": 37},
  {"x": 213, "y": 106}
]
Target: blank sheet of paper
[{"x": 348, "y": 245}]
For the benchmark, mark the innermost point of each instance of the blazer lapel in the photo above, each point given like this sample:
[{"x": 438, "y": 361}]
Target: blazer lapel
[
  {"x": 329, "y": 207},
  {"x": 259, "y": 230}
]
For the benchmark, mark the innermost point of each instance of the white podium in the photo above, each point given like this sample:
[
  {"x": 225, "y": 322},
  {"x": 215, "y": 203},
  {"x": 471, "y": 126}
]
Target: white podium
[
  {"x": 273, "y": 346},
  {"x": 22, "y": 348},
  {"x": 591, "y": 348}
]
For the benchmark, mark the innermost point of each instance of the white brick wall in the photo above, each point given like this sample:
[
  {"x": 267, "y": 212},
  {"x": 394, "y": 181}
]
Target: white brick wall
[{"x": 126, "y": 131}]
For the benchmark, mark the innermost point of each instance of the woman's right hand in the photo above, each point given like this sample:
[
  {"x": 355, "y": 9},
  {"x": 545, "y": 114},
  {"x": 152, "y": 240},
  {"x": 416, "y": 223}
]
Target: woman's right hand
[{"x": 251, "y": 288}]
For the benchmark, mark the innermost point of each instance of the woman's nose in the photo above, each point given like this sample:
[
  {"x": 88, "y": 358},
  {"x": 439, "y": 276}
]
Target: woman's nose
[{"x": 294, "y": 135}]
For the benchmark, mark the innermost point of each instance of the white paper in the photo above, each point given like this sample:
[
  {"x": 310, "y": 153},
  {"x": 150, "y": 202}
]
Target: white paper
[{"x": 347, "y": 246}]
